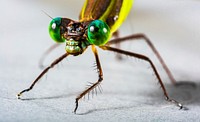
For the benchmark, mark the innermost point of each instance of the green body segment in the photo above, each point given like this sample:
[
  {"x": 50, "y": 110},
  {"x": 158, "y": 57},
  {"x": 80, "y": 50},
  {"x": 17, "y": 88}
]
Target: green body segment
[{"x": 113, "y": 12}]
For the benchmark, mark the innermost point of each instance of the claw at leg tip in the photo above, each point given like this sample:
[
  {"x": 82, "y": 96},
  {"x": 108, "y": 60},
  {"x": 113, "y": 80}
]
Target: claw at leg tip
[
  {"x": 180, "y": 105},
  {"x": 18, "y": 96}
]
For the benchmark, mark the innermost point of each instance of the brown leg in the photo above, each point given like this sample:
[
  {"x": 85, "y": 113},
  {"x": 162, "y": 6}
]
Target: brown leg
[
  {"x": 49, "y": 50},
  {"x": 142, "y": 36},
  {"x": 152, "y": 65},
  {"x": 43, "y": 72},
  {"x": 93, "y": 86}
]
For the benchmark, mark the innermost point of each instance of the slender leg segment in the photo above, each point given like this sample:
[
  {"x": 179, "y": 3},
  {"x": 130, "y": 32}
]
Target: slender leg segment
[
  {"x": 42, "y": 74},
  {"x": 152, "y": 65},
  {"x": 150, "y": 44},
  {"x": 96, "y": 84},
  {"x": 48, "y": 51}
]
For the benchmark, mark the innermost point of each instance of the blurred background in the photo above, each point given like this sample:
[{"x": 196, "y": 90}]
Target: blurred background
[{"x": 172, "y": 25}]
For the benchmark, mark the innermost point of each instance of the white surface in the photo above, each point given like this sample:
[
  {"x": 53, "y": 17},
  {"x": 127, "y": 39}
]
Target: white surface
[{"x": 130, "y": 91}]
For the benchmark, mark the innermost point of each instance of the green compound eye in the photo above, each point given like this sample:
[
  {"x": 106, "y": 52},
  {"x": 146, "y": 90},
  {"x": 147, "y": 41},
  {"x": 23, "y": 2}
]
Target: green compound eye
[
  {"x": 54, "y": 30},
  {"x": 98, "y": 33}
]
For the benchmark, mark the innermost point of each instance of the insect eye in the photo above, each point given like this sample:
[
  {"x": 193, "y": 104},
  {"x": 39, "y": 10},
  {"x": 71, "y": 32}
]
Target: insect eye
[
  {"x": 98, "y": 33},
  {"x": 54, "y": 30}
]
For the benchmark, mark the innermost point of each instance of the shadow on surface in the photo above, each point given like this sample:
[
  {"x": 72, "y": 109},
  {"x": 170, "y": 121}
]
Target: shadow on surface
[
  {"x": 50, "y": 97},
  {"x": 185, "y": 92},
  {"x": 106, "y": 109}
]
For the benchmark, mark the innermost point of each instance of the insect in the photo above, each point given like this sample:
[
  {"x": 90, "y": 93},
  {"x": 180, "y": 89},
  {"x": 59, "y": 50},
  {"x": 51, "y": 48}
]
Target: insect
[{"x": 99, "y": 20}]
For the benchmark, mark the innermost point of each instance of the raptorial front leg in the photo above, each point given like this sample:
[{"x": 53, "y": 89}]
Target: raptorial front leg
[
  {"x": 133, "y": 37},
  {"x": 42, "y": 74},
  {"x": 152, "y": 65},
  {"x": 96, "y": 84}
]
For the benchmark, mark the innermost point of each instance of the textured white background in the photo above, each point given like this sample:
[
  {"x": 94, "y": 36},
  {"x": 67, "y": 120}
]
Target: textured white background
[{"x": 130, "y": 91}]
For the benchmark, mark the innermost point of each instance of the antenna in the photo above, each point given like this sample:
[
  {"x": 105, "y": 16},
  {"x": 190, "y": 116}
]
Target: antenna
[{"x": 47, "y": 14}]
